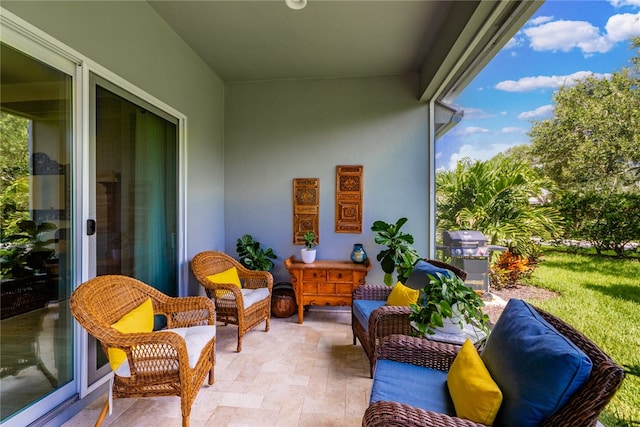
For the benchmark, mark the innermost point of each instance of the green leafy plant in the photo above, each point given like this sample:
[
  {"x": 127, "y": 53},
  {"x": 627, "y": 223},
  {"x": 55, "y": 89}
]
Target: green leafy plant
[
  {"x": 399, "y": 255},
  {"x": 309, "y": 239},
  {"x": 253, "y": 256},
  {"x": 447, "y": 296},
  {"x": 24, "y": 253}
]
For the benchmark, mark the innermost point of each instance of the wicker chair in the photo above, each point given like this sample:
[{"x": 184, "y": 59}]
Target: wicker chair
[
  {"x": 582, "y": 409},
  {"x": 387, "y": 319},
  {"x": 158, "y": 361},
  {"x": 231, "y": 306}
]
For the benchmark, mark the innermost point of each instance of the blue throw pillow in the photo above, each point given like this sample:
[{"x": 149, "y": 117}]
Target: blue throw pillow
[
  {"x": 418, "y": 278},
  {"x": 537, "y": 368}
]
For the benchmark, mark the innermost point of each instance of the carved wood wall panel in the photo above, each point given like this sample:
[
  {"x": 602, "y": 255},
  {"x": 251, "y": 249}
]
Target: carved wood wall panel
[
  {"x": 306, "y": 208},
  {"x": 349, "y": 198}
]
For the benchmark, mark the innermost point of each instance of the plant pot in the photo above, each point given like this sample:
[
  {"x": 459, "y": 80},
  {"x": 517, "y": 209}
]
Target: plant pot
[
  {"x": 308, "y": 255},
  {"x": 449, "y": 326}
]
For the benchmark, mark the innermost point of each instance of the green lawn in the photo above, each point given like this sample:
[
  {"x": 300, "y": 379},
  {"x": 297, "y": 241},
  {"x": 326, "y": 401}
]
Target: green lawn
[{"x": 601, "y": 298}]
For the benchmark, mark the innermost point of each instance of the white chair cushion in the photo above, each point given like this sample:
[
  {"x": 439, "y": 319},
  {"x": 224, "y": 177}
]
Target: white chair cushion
[
  {"x": 250, "y": 296},
  {"x": 195, "y": 337}
]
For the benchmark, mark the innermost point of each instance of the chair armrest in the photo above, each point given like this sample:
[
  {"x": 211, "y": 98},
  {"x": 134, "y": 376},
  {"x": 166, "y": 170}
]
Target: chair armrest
[
  {"x": 382, "y": 414},
  {"x": 186, "y": 311},
  {"x": 417, "y": 351},
  {"x": 372, "y": 292},
  {"x": 389, "y": 320},
  {"x": 255, "y": 279}
]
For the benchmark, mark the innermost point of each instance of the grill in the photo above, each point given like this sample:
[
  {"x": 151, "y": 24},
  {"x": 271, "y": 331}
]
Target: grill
[{"x": 469, "y": 251}]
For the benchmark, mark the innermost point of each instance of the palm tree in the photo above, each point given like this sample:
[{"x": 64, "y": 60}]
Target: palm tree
[{"x": 493, "y": 196}]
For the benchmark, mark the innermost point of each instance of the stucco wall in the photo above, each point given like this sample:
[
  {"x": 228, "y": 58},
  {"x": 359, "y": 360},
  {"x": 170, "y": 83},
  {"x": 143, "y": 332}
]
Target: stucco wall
[
  {"x": 131, "y": 40},
  {"x": 277, "y": 131}
]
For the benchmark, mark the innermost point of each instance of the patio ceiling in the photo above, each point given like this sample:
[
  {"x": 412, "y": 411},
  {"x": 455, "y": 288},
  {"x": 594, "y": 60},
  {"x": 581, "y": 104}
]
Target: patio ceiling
[{"x": 445, "y": 42}]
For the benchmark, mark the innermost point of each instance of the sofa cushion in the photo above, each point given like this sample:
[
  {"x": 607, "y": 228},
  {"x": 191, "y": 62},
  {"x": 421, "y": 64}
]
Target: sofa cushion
[
  {"x": 412, "y": 385},
  {"x": 536, "y": 367},
  {"x": 228, "y": 276},
  {"x": 362, "y": 309},
  {"x": 402, "y": 295},
  {"x": 475, "y": 395},
  {"x": 418, "y": 278}
]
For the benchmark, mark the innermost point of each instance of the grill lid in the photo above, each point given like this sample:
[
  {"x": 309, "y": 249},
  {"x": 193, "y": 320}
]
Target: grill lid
[{"x": 463, "y": 238}]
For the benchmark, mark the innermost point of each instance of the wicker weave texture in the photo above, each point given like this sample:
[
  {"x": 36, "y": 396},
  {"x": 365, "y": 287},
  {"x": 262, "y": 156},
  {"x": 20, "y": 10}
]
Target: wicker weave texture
[
  {"x": 385, "y": 320},
  {"x": 582, "y": 410},
  {"x": 158, "y": 361},
  {"x": 230, "y": 304}
]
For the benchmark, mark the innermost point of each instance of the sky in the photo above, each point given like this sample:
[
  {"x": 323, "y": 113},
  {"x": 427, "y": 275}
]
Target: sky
[{"x": 562, "y": 41}]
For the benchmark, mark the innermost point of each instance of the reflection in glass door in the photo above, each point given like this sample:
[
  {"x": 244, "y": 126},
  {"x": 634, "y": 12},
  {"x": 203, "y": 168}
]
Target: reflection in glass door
[
  {"x": 135, "y": 197},
  {"x": 36, "y": 334}
]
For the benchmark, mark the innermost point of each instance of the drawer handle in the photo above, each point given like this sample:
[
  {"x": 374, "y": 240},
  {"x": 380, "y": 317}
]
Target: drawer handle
[{"x": 339, "y": 275}]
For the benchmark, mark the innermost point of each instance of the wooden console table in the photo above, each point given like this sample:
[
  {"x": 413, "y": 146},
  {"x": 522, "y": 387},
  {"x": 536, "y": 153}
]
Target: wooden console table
[{"x": 325, "y": 282}]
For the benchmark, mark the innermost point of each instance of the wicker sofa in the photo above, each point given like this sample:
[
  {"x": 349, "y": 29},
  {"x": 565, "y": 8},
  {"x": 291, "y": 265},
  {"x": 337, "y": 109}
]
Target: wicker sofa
[
  {"x": 549, "y": 375},
  {"x": 372, "y": 319}
]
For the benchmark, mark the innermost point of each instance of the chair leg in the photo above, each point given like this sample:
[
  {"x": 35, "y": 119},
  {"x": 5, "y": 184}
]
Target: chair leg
[
  {"x": 103, "y": 414},
  {"x": 266, "y": 328},
  {"x": 185, "y": 421},
  {"x": 240, "y": 333}
]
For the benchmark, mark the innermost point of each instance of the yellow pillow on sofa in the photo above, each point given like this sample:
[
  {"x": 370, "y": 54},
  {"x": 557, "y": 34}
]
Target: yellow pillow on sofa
[
  {"x": 475, "y": 395},
  {"x": 227, "y": 276},
  {"x": 140, "y": 319},
  {"x": 402, "y": 295}
]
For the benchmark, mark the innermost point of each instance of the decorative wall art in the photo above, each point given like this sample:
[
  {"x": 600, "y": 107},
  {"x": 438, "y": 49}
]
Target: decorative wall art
[
  {"x": 349, "y": 198},
  {"x": 306, "y": 208}
]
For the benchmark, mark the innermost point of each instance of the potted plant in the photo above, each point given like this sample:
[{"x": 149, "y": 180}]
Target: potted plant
[
  {"x": 447, "y": 304},
  {"x": 308, "y": 253},
  {"x": 253, "y": 256},
  {"x": 399, "y": 255}
]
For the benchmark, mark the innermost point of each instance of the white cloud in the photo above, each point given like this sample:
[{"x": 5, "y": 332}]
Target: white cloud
[
  {"x": 620, "y": 3},
  {"x": 475, "y": 113},
  {"x": 512, "y": 129},
  {"x": 623, "y": 27},
  {"x": 565, "y": 35},
  {"x": 541, "y": 20},
  {"x": 484, "y": 152},
  {"x": 470, "y": 130},
  {"x": 528, "y": 84},
  {"x": 544, "y": 111}
]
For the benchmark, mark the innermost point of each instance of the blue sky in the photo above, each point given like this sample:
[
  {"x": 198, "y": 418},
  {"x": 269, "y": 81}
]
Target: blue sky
[{"x": 562, "y": 40}]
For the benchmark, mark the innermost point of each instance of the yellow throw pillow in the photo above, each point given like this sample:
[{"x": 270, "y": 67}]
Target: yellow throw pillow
[
  {"x": 227, "y": 276},
  {"x": 402, "y": 295},
  {"x": 140, "y": 319},
  {"x": 475, "y": 395}
]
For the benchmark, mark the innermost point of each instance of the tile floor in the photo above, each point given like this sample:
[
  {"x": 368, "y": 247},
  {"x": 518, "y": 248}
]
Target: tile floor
[{"x": 293, "y": 375}]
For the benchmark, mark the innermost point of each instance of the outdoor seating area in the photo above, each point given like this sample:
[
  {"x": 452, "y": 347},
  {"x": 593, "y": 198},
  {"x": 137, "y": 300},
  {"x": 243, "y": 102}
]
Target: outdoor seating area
[{"x": 533, "y": 369}]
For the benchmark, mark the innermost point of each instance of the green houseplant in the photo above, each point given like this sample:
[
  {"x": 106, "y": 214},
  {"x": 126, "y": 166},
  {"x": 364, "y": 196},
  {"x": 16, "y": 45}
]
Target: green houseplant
[
  {"x": 253, "y": 256},
  {"x": 308, "y": 253},
  {"x": 399, "y": 255},
  {"x": 445, "y": 297}
]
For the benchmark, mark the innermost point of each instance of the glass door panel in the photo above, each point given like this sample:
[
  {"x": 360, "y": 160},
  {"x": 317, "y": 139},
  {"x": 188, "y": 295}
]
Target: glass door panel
[
  {"x": 135, "y": 197},
  {"x": 36, "y": 333}
]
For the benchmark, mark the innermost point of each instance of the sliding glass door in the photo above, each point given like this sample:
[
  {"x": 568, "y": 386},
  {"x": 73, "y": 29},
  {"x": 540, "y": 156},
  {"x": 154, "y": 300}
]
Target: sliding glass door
[
  {"x": 134, "y": 197},
  {"x": 36, "y": 330}
]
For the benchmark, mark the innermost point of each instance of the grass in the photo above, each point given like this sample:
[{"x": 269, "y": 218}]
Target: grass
[{"x": 600, "y": 296}]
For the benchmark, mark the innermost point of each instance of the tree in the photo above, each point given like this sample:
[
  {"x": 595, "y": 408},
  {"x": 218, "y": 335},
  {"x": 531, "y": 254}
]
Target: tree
[
  {"x": 593, "y": 140},
  {"x": 493, "y": 197}
]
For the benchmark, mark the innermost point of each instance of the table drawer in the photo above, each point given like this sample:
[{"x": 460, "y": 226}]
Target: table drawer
[
  {"x": 344, "y": 289},
  {"x": 314, "y": 275},
  {"x": 339, "y": 276}
]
